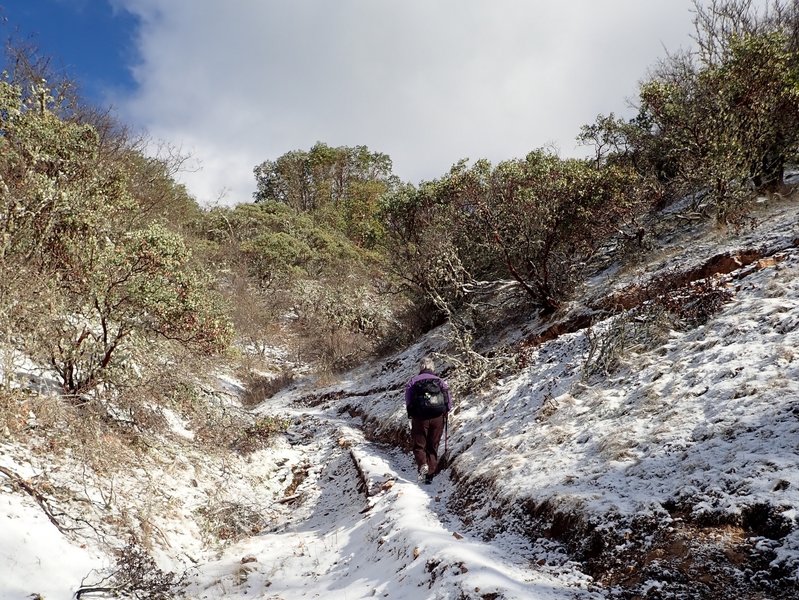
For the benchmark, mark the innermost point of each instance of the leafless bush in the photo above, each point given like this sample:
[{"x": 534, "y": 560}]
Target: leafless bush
[
  {"x": 643, "y": 328},
  {"x": 548, "y": 408},
  {"x": 14, "y": 411},
  {"x": 695, "y": 303},
  {"x": 256, "y": 312},
  {"x": 140, "y": 402},
  {"x": 231, "y": 521},
  {"x": 333, "y": 351},
  {"x": 340, "y": 322},
  {"x": 217, "y": 424},
  {"x": 49, "y": 426},
  {"x": 48, "y": 423},
  {"x": 220, "y": 425},
  {"x": 634, "y": 331},
  {"x": 143, "y": 578},
  {"x": 136, "y": 576}
]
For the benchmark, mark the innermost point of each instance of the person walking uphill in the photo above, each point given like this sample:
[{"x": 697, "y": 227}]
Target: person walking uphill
[{"x": 428, "y": 402}]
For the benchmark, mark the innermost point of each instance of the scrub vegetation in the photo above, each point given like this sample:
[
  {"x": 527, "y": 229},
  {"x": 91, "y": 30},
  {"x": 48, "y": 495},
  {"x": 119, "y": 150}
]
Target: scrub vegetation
[{"x": 125, "y": 293}]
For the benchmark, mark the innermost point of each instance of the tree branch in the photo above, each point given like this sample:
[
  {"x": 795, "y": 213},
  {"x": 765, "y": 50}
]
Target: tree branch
[{"x": 20, "y": 483}]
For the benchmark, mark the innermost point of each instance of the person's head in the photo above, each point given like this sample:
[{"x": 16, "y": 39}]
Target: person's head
[{"x": 427, "y": 364}]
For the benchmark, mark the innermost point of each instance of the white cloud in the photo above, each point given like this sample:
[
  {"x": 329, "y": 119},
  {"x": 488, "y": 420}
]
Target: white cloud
[{"x": 426, "y": 81}]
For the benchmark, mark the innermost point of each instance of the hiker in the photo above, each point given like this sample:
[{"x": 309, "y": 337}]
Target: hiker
[{"x": 428, "y": 402}]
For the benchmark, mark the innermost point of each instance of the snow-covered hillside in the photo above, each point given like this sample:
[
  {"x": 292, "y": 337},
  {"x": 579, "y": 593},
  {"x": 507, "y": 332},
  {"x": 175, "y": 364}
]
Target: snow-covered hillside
[
  {"x": 676, "y": 475},
  {"x": 689, "y": 450}
]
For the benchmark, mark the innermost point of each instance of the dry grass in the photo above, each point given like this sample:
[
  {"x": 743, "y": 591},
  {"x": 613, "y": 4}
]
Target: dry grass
[
  {"x": 259, "y": 388},
  {"x": 259, "y": 435},
  {"x": 51, "y": 424}
]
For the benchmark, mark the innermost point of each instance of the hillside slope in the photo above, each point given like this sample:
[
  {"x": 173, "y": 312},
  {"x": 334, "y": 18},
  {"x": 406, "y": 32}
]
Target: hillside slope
[
  {"x": 637, "y": 457},
  {"x": 677, "y": 472}
]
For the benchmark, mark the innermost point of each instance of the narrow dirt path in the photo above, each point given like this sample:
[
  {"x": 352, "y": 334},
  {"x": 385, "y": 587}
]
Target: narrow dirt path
[{"x": 363, "y": 527}]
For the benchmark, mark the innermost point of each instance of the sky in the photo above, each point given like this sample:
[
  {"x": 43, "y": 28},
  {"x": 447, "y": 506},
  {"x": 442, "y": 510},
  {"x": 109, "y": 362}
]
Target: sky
[{"x": 238, "y": 82}]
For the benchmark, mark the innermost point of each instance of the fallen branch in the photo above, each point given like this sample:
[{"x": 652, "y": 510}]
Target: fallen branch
[
  {"x": 288, "y": 499},
  {"x": 361, "y": 474},
  {"x": 97, "y": 590},
  {"x": 20, "y": 483}
]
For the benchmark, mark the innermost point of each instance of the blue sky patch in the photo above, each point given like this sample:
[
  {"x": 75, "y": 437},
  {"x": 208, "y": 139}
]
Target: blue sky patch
[{"x": 87, "y": 40}]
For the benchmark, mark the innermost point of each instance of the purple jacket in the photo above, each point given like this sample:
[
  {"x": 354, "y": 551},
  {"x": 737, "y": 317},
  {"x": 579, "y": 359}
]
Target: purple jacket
[{"x": 426, "y": 375}]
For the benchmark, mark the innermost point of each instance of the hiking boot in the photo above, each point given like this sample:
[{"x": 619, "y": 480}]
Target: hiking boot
[
  {"x": 423, "y": 473},
  {"x": 428, "y": 479}
]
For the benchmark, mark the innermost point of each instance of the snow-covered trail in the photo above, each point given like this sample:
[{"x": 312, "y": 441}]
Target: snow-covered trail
[{"x": 392, "y": 540}]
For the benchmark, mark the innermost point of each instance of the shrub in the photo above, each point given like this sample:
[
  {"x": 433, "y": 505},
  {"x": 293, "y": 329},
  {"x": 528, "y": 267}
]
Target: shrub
[
  {"x": 338, "y": 187},
  {"x": 98, "y": 291},
  {"x": 722, "y": 120},
  {"x": 296, "y": 280},
  {"x": 536, "y": 220},
  {"x": 137, "y": 576},
  {"x": 260, "y": 434},
  {"x": 118, "y": 296},
  {"x": 634, "y": 331},
  {"x": 660, "y": 308},
  {"x": 259, "y": 388},
  {"x": 421, "y": 228},
  {"x": 342, "y": 320},
  {"x": 231, "y": 521},
  {"x": 694, "y": 304}
]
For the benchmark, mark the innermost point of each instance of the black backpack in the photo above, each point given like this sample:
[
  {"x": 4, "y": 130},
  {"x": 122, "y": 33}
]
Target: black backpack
[{"x": 428, "y": 398}]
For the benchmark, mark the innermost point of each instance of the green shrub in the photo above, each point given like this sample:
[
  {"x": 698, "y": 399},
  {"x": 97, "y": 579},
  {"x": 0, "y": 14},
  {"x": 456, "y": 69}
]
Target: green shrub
[
  {"x": 98, "y": 292},
  {"x": 339, "y": 187},
  {"x": 536, "y": 220},
  {"x": 719, "y": 122}
]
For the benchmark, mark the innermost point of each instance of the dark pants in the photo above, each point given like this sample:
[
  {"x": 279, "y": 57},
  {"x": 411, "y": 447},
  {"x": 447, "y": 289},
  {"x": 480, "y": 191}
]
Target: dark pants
[{"x": 425, "y": 436}]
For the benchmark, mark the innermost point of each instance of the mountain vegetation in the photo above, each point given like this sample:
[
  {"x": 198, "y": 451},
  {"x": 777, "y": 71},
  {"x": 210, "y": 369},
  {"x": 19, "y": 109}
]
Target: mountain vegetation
[
  {"x": 334, "y": 247},
  {"x": 112, "y": 276}
]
